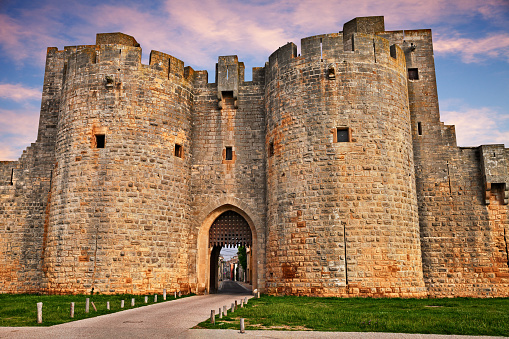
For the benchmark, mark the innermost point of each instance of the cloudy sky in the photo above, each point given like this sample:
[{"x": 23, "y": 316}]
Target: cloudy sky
[{"x": 471, "y": 41}]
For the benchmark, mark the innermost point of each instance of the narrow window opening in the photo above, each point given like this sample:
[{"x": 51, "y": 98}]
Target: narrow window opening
[
  {"x": 343, "y": 134},
  {"x": 169, "y": 68},
  {"x": 12, "y": 175},
  {"x": 413, "y": 74},
  {"x": 271, "y": 149},
  {"x": 419, "y": 128},
  {"x": 229, "y": 153},
  {"x": 321, "y": 50},
  {"x": 100, "y": 140},
  {"x": 227, "y": 74},
  {"x": 393, "y": 51},
  {"x": 374, "y": 50},
  {"x": 178, "y": 150}
]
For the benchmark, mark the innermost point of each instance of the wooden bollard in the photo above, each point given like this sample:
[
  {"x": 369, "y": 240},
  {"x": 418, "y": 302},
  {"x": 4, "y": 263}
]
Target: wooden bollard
[
  {"x": 132, "y": 302},
  {"x": 220, "y": 313},
  {"x": 164, "y": 294},
  {"x": 146, "y": 299},
  {"x": 241, "y": 303},
  {"x": 245, "y": 300},
  {"x": 39, "y": 313},
  {"x": 225, "y": 311},
  {"x": 93, "y": 305},
  {"x": 242, "y": 330},
  {"x": 232, "y": 308},
  {"x": 87, "y": 305},
  {"x": 121, "y": 303},
  {"x": 175, "y": 295},
  {"x": 155, "y": 298},
  {"x": 71, "y": 313},
  {"x": 258, "y": 295},
  {"x": 107, "y": 305},
  {"x": 213, "y": 317}
]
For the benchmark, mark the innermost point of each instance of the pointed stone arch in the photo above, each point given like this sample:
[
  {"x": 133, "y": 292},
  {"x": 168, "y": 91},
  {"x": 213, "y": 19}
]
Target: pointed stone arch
[{"x": 205, "y": 251}]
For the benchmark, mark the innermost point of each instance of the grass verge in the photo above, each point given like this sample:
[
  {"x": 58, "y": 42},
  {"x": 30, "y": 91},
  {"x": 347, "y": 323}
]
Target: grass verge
[
  {"x": 21, "y": 309},
  {"x": 462, "y": 316}
]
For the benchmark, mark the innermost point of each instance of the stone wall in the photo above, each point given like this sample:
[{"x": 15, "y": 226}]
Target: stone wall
[
  {"x": 348, "y": 180},
  {"x": 463, "y": 238},
  {"x": 342, "y": 217},
  {"x": 236, "y": 121},
  {"x": 119, "y": 212}
]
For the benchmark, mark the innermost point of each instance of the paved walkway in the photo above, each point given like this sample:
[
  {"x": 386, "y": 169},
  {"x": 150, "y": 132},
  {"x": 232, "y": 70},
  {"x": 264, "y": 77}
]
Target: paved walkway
[{"x": 173, "y": 319}]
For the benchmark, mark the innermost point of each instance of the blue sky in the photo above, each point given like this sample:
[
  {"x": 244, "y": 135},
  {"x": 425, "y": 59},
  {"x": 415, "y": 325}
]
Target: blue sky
[{"x": 471, "y": 42}]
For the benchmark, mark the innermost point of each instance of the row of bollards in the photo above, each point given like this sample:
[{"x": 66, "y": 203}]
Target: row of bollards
[
  {"x": 88, "y": 303},
  {"x": 233, "y": 307}
]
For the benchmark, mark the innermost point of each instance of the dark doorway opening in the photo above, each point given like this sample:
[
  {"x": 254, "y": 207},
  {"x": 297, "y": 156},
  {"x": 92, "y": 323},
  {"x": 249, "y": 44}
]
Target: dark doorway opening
[{"x": 230, "y": 229}]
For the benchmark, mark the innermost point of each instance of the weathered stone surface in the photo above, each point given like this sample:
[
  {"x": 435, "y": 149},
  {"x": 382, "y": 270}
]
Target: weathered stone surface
[{"x": 336, "y": 159}]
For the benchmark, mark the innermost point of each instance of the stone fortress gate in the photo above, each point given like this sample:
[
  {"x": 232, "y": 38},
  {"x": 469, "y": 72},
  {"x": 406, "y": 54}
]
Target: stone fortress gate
[{"x": 331, "y": 164}]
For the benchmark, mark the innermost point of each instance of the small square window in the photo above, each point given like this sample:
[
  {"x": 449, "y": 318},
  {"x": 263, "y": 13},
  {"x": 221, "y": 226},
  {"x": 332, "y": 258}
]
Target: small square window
[
  {"x": 413, "y": 74},
  {"x": 229, "y": 153},
  {"x": 178, "y": 150},
  {"x": 100, "y": 140},
  {"x": 343, "y": 134}
]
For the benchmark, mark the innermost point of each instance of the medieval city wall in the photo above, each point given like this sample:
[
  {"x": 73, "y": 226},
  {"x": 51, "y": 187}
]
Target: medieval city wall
[
  {"x": 342, "y": 217},
  {"x": 25, "y": 194},
  {"x": 236, "y": 121},
  {"x": 120, "y": 193},
  {"x": 463, "y": 239},
  {"x": 335, "y": 157}
]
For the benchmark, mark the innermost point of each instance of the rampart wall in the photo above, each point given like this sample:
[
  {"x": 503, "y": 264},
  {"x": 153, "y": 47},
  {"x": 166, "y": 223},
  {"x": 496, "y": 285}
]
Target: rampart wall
[
  {"x": 342, "y": 215},
  {"x": 463, "y": 239},
  {"x": 335, "y": 157}
]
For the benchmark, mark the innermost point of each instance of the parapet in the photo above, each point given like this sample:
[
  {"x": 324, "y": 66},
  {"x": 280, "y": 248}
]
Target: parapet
[
  {"x": 229, "y": 73},
  {"x": 116, "y": 38},
  {"x": 366, "y": 25}
]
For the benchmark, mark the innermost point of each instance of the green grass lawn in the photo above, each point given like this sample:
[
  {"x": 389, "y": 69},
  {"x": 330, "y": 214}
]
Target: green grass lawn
[
  {"x": 439, "y": 316},
  {"x": 21, "y": 309}
]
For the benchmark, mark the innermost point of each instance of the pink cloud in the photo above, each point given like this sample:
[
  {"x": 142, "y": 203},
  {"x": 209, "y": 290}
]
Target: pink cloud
[
  {"x": 19, "y": 92},
  {"x": 199, "y": 30},
  {"x": 474, "y": 50},
  {"x": 478, "y": 126},
  {"x": 18, "y": 129}
]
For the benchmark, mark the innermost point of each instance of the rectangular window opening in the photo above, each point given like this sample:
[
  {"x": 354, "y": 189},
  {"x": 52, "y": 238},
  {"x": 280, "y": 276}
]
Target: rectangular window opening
[
  {"x": 413, "y": 74},
  {"x": 271, "y": 149},
  {"x": 12, "y": 176},
  {"x": 497, "y": 190},
  {"x": 100, "y": 140},
  {"x": 343, "y": 134},
  {"x": 229, "y": 153},
  {"x": 393, "y": 51},
  {"x": 321, "y": 50},
  {"x": 419, "y": 128},
  {"x": 178, "y": 150}
]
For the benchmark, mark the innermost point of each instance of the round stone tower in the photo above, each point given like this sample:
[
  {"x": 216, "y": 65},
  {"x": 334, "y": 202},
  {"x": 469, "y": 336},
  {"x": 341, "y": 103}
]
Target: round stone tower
[
  {"x": 342, "y": 207},
  {"x": 121, "y": 183}
]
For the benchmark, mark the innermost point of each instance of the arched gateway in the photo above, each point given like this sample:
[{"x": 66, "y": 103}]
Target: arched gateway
[
  {"x": 226, "y": 226},
  {"x": 230, "y": 229}
]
